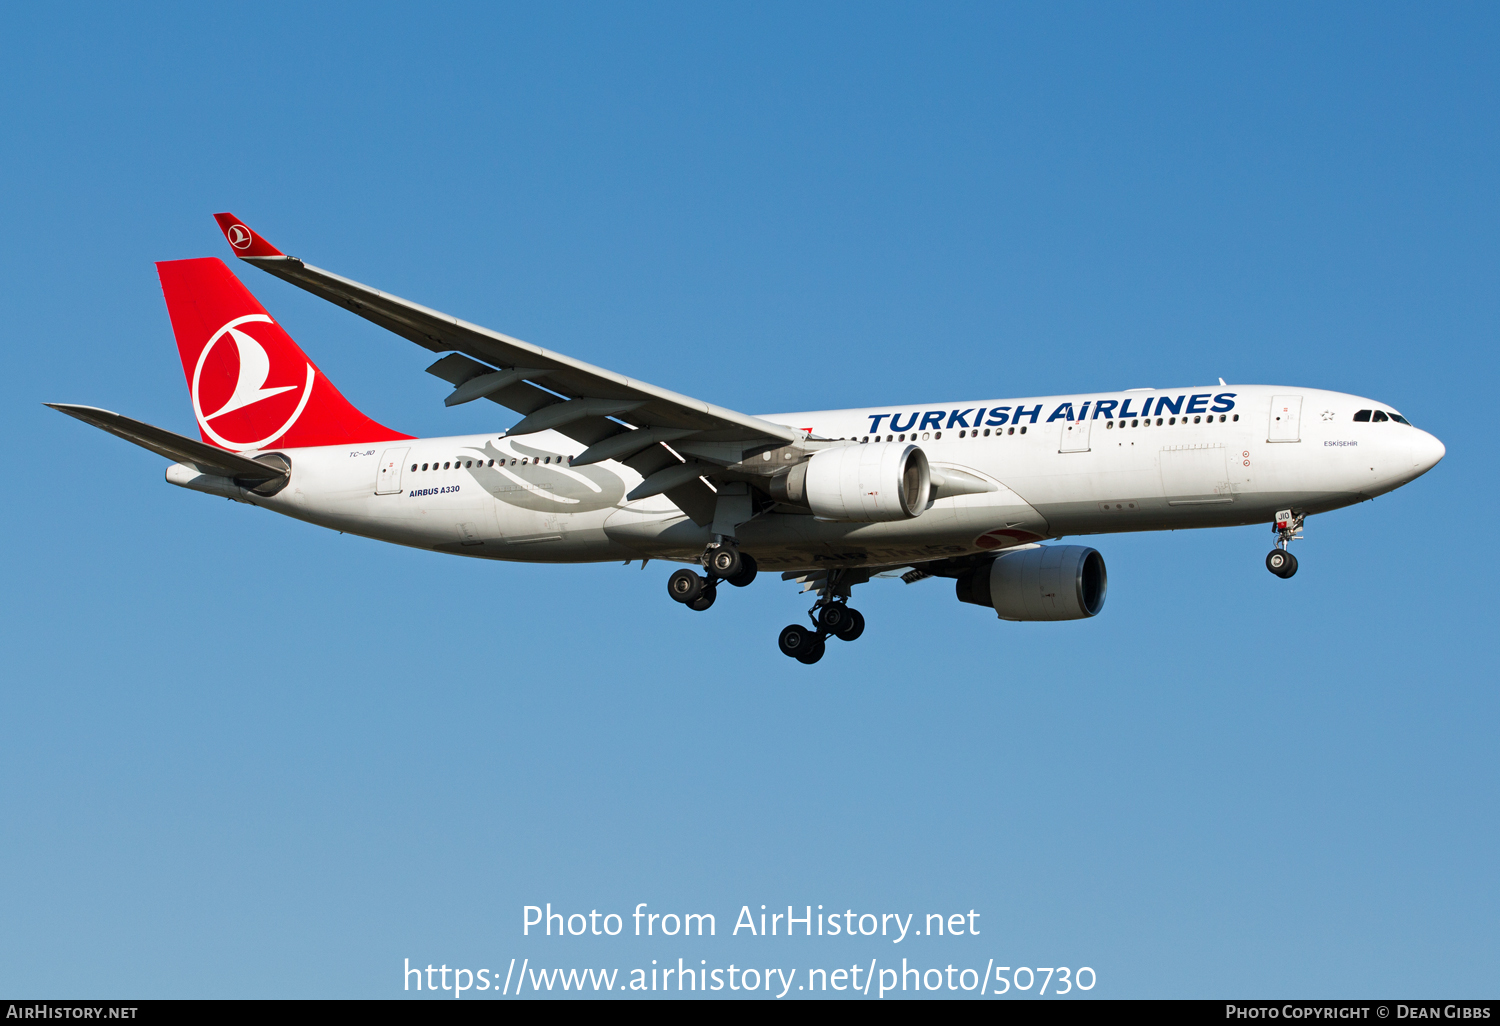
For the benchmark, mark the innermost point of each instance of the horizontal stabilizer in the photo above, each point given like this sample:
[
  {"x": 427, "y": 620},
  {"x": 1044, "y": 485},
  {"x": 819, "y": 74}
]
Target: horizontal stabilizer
[{"x": 207, "y": 458}]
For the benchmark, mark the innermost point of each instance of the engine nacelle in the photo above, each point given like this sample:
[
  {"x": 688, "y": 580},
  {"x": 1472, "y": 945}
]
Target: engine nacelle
[
  {"x": 860, "y": 483},
  {"x": 1040, "y": 582}
]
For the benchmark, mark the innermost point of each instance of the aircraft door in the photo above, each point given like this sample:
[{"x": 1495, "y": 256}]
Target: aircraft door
[
  {"x": 1286, "y": 419},
  {"x": 1075, "y": 436},
  {"x": 388, "y": 475}
]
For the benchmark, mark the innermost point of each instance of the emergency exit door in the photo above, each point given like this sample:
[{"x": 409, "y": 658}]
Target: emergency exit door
[
  {"x": 388, "y": 476},
  {"x": 1286, "y": 419}
]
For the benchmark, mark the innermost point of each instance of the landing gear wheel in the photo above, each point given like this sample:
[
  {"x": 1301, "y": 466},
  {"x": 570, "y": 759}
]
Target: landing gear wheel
[
  {"x": 797, "y": 640},
  {"x": 1281, "y": 563},
  {"x": 834, "y": 617},
  {"x": 853, "y": 628},
  {"x": 725, "y": 562},
  {"x": 704, "y": 600},
  {"x": 747, "y": 573},
  {"x": 813, "y": 654},
  {"x": 685, "y": 586}
]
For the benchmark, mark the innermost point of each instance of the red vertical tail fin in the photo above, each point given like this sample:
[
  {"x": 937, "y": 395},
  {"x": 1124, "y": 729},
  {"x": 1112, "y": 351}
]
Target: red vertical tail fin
[{"x": 251, "y": 386}]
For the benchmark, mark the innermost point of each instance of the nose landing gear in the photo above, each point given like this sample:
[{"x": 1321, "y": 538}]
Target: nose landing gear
[{"x": 1288, "y": 526}]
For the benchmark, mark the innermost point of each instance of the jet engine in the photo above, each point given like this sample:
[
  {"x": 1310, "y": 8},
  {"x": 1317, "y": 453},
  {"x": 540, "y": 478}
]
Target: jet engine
[
  {"x": 860, "y": 483},
  {"x": 1039, "y": 582}
]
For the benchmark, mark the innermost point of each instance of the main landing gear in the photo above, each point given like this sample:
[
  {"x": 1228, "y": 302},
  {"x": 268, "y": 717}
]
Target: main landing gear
[
  {"x": 831, "y": 616},
  {"x": 1288, "y": 526},
  {"x": 723, "y": 562}
]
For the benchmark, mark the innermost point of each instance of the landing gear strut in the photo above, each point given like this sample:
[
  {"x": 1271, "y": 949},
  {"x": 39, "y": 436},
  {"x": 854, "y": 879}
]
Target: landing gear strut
[{"x": 1288, "y": 526}]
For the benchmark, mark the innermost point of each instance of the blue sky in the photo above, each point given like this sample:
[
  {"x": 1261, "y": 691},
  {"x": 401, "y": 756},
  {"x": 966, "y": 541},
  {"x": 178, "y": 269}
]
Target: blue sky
[{"x": 247, "y": 757}]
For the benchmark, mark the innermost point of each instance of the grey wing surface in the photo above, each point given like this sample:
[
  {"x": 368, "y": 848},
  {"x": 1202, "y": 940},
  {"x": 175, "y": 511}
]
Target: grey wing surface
[{"x": 610, "y": 415}]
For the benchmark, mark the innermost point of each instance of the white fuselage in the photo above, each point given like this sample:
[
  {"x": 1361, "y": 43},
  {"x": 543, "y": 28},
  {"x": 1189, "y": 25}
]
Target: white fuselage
[{"x": 1079, "y": 467}]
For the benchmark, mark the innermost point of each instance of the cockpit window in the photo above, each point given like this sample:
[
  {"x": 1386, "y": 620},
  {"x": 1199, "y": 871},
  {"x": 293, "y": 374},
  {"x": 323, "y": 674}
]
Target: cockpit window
[
  {"x": 1380, "y": 417},
  {"x": 1400, "y": 419},
  {"x": 1362, "y": 417}
]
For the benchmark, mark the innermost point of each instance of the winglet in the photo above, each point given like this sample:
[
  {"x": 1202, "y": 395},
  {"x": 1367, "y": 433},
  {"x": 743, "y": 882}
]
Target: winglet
[{"x": 245, "y": 242}]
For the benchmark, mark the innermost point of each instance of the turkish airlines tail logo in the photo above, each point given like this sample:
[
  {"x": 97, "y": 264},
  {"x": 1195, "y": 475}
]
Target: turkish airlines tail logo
[
  {"x": 245, "y": 242},
  {"x": 251, "y": 386}
]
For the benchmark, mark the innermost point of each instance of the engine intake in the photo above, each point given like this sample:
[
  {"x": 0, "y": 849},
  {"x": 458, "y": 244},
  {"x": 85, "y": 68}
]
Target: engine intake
[
  {"x": 1040, "y": 582},
  {"x": 860, "y": 483}
]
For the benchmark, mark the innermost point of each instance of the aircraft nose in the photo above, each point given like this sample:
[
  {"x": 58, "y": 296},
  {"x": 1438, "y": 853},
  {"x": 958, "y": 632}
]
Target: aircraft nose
[{"x": 1426, "y": 452}]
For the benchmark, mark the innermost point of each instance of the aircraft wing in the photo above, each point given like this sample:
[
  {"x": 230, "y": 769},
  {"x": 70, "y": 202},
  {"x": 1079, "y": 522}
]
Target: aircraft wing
[
  {"x": 613, "y": 416},
  {"x": 172, "y": 445}
]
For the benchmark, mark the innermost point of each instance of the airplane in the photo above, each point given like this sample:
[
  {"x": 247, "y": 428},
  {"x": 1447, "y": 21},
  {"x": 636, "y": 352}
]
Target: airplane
[{"x": 602, "y": 467}]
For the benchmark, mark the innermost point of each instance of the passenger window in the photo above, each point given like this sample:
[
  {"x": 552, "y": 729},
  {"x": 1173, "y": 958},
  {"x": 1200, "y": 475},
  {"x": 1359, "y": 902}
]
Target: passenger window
[
  {"x": 1362, "y": 417},
  {"x": 1172, "y": 421},
  {"x": 1236, "y": 417},
  {"x": 1380, "y": 417},
  {"x": 986, "y": 432},
  {"x": 1109, "y": 425},
  {"x": 1023, "y": 431},
  {"x": 414, "y": 466},
  {"x": 1197, "y": 420},
  {"x": 424, "y": 466},
  {"x": 936, "y": 435}
]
